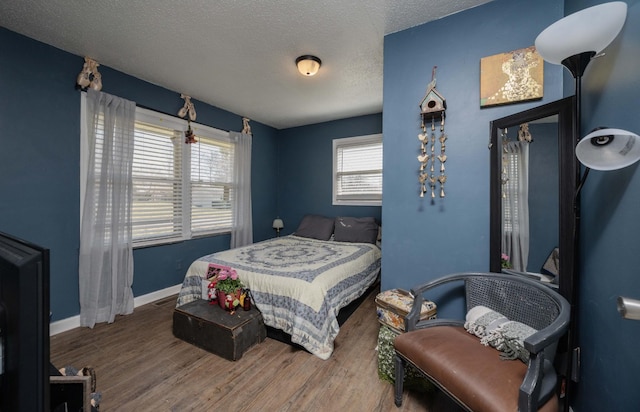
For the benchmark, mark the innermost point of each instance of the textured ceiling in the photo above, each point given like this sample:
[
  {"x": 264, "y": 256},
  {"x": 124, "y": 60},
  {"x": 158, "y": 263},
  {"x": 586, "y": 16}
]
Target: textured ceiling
[{"x": 237, "y": 55}]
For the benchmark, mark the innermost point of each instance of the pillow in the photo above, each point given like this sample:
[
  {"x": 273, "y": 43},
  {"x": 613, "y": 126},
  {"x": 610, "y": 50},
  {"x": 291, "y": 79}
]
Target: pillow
[
  {"x": 356, "y": 229},
  {"x": 315, "y": 227}
]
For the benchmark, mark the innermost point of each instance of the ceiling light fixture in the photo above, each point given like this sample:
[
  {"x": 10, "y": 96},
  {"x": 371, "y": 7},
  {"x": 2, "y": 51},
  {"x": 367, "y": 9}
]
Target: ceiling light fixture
[{"x": 308, "y": 65}]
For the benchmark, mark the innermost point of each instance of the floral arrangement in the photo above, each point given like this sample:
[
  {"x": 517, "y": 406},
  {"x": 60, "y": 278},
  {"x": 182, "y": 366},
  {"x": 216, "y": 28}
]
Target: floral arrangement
[
  {"x": 226, "y": 289},
  {"x": 227, "y": 281},
  {"x": 504, "y": 260}
]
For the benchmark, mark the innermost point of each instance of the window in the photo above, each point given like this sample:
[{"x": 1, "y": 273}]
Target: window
[
  {"x": 179, "y": 191},
  {"x": 509, "y": 191},
  {"x": 211, "y": 184},
  {"x": 357, "y": 170},
  {"x": 515, "y": 160}
]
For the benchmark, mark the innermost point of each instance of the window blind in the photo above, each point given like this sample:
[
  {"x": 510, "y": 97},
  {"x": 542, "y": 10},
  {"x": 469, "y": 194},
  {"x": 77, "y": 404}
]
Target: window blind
[
  {"x": 157, "y": 183},
  {"x": 211, "y": 181},
  {"x": 511, "y": 193},
  {"x": 358, "y": 169}
]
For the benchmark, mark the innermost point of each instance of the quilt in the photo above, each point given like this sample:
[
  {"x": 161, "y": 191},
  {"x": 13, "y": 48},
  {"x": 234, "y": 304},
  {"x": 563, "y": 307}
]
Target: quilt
[{"x": 299, "y": 284}]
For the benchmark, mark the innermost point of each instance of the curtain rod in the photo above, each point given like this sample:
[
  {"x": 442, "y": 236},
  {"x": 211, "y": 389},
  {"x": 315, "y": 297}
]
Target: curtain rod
[
  {"x": 173, "y": 115},
  {"x": 169, "y": 114}
]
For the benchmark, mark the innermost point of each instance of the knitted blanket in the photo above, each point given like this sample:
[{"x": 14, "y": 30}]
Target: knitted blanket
[{"x": 494, "y": 329}]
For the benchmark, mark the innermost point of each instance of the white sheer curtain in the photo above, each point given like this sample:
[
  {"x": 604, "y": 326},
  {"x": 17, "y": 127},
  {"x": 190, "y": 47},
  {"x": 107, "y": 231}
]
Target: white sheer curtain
[
  {"x": 515, "y": 202},
  {"x": 242, "y": 229},
  {"x": 106, "y": 257}
]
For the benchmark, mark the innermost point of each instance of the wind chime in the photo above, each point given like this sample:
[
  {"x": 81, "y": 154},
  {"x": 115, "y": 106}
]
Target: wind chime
[
  {"x": 432, "y": 108},
  {"x": 504, "y": 176},
  {"x": 188, "y": 109},
  {"x": 523, "y": 136}
]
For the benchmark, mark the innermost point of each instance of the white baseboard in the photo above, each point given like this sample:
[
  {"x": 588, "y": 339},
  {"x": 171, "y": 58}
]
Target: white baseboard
[
  {"x": 157, "y": 295},
  {"x": 73, "y": 322}
]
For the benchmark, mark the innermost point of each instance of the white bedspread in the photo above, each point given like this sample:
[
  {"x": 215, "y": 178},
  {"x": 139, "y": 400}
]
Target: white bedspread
[{"x": 298, "y": 284}]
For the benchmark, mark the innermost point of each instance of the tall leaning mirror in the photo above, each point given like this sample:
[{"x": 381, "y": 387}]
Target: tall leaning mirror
[{"x": 534, "y": 175}]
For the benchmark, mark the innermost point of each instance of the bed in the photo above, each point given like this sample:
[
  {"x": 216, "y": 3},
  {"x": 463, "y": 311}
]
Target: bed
[{"x": 299, "y": 283}]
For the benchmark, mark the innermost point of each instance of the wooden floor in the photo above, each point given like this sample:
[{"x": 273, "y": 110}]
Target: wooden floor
[{"x": 141, "y": 366}]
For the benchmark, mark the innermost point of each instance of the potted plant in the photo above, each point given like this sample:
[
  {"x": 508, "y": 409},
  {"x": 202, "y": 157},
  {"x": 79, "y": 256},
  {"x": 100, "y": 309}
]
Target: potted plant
[
  {"x": 504, "y": 261},
  {"x": 229, "y": 288}
]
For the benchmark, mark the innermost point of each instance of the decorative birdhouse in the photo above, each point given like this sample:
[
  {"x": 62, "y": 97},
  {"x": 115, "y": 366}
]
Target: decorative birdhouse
[
  {"x": 432, "y": 108},
  {"x": 433, "y": 104}
]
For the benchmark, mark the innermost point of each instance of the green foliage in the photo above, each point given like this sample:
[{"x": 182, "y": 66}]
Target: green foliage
[
  {"x": 386, "y": 365},
  {"x": 229, "y": 286}
]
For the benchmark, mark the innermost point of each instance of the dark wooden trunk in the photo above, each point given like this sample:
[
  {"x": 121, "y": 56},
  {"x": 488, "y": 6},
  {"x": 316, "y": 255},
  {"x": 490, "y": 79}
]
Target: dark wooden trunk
[{"x": 218, "y": 331}]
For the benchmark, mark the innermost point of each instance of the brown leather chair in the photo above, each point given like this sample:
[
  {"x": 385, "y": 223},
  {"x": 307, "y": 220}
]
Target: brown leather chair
[{"x": 474, "y": 375}]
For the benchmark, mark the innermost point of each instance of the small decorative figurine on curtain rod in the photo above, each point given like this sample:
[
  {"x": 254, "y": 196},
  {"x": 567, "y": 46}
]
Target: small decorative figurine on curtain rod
[
  {"x": 432, "y": 108},
  {"x": 246, "y": 128},
  {"x": 524, "y": 135},
  {"x": 89, "y": 76},
  {"x": 188, "y": 109}
]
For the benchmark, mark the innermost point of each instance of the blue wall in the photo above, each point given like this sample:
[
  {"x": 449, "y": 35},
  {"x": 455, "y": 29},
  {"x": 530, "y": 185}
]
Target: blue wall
[
  {"x": 305, "y": 165},
  {"x": 424, "y": 239},
  {"x": 40, "y": 163},
  {"x": 609, "y": 252},
  {"x": 39, "y": 157}
]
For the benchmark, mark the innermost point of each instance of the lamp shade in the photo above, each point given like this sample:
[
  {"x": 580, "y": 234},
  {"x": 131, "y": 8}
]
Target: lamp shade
[
  {"x": 608, "y": 149},
  {"x": 588, "y": 30},
  {"x": 278, "y": 223},
  {"x": 308, "y": 65}
]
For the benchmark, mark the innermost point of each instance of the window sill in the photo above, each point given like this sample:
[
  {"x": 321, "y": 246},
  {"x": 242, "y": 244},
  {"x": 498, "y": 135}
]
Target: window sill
[{"x": 357, "y": 203}]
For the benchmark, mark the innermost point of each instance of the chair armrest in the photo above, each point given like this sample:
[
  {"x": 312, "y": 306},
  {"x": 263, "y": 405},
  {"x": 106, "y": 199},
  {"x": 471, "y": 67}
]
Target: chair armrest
[
  {"x": 531, "y": 387},
  {"x": 413, "y": 317},
  {"x": 549, "y": 335},
  {"x": 535, "y": 389},
  {"x": 552, "y": 333},
  {"x": 417, "y": 290},
  {"x": 428, "y": 323}
]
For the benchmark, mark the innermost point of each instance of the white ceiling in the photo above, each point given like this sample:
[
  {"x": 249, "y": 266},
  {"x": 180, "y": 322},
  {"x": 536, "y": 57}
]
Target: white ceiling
[{"x": 237, "y": 55}]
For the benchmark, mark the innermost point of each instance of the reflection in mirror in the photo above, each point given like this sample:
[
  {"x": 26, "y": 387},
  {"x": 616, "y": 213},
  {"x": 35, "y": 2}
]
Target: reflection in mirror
[
  {"x": 530, "y": 200},
  {"x": 533, "y": 179}
]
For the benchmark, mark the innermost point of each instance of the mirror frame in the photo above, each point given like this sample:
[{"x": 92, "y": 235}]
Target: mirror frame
[{"x": 569, "y": 173}]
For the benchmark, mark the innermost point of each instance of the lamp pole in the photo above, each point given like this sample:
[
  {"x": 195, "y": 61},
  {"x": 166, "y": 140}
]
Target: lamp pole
[{"x": 576, "y": 64}]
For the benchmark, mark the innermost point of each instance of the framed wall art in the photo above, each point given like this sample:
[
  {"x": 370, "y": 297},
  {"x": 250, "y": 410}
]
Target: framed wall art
[{"x": 511, "y": 77}]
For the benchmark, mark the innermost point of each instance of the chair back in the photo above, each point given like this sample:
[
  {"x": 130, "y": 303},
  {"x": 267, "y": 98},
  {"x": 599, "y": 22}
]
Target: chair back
[{"x": 516, "y": 298}]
